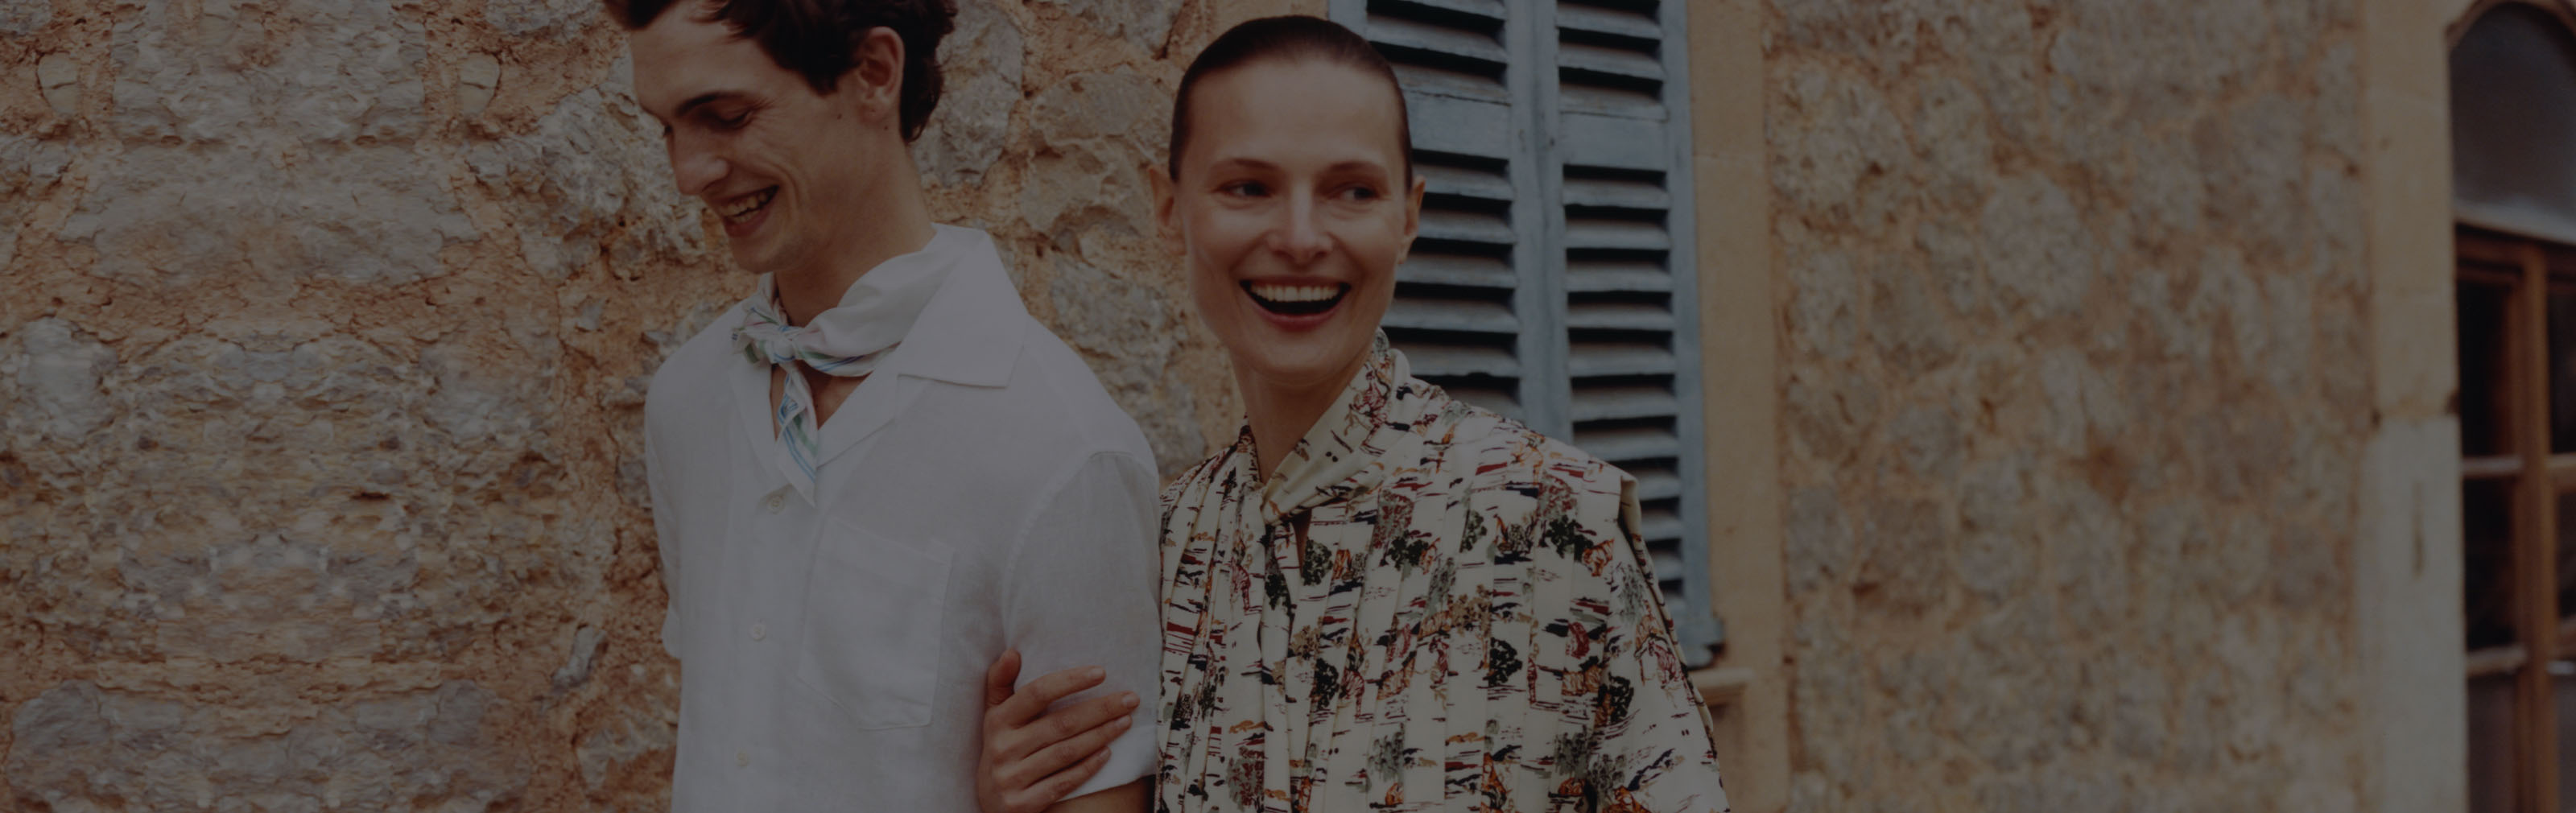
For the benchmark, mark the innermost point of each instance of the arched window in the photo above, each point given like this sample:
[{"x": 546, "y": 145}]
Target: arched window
[{"x": 2513, "y": 135}]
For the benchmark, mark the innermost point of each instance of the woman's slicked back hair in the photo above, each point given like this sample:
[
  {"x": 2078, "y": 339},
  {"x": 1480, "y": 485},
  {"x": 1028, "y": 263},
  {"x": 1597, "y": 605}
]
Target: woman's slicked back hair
[{"x": 1290, "y": 38}]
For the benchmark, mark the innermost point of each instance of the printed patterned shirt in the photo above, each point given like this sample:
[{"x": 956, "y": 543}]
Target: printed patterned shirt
[{"x": 1426, "y": 607}]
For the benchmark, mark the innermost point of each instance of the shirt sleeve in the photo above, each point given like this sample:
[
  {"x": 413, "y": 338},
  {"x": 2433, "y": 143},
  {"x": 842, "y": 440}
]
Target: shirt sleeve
[
  {"x": 663, "y": 538},
  {"x": 1654, "y": 752},
  {"x": 1080, "y": 592}
]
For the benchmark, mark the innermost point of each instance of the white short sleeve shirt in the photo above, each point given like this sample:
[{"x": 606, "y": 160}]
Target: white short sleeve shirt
[{"x": 979, "y": 492}]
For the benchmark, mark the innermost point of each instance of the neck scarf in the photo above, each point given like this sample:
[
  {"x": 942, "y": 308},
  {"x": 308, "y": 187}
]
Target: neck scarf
[{"x": 848, "y": 340}]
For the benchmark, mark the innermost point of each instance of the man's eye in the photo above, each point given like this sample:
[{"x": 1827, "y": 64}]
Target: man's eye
[
  {"x": 734, "y": 122},
  {"x": 1361, "y": 193},
  {"x": 1245, "y": 188}
]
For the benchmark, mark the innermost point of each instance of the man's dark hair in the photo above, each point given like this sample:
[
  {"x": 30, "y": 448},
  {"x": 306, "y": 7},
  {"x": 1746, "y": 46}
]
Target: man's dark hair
[
  {"x": 1290, "y": 38},
  {"x": 818, "y": 39}
]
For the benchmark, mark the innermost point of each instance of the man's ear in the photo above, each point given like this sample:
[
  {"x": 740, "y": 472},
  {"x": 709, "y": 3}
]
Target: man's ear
[
  {"x": 1167, "y": 219},
  {"x": 874, "y": 84}
]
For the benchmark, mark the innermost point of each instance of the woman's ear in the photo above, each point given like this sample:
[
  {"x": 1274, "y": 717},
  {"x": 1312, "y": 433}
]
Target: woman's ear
[
  {"x": 1167, "y": 221},
  {"x": 1412, "y": 216}
]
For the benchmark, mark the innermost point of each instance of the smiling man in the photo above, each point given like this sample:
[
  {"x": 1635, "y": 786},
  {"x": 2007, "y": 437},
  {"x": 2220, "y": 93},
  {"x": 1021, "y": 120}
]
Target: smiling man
[{"x": 877, "y": 474}]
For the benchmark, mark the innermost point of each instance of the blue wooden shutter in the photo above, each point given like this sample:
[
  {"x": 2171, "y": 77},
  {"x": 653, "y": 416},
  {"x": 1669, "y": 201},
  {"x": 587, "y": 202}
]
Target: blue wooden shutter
[{"x": 1553, "y": 279}]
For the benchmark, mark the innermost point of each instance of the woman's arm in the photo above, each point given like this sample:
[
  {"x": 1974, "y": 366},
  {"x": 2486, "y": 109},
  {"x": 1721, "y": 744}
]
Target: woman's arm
[
  {"x": 1655, "y": 753},
  {"x": 1032, "y": 757}
]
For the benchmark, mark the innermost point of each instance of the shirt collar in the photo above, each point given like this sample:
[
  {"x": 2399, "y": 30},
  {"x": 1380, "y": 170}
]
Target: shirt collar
[
  {"x": 1353, "y": 445},
  {"x": 970, "y": 331}
]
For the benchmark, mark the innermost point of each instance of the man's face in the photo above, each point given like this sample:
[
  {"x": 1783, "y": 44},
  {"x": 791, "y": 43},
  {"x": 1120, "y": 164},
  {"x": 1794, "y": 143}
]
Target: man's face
[{"x": 784, "y": 167}]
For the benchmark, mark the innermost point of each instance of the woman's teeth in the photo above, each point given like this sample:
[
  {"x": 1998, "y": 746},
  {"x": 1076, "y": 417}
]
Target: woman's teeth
[
  {"x": 742, "y": 208},
  {"x": 1295, "y": 300}
]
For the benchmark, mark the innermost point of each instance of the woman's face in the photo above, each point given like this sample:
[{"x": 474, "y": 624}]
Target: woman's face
[{"x": 1291, "y": 211}]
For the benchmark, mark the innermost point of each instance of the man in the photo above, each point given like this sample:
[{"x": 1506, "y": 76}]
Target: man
[{"x": 878, "y": 474}]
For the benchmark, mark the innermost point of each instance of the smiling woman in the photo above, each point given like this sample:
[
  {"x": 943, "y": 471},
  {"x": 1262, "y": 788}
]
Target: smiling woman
[{"x": 1379, "y": 597}]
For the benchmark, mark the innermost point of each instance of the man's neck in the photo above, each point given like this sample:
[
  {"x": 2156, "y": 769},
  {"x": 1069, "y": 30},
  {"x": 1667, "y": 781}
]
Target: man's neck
[{"x": 900, "y": 226}]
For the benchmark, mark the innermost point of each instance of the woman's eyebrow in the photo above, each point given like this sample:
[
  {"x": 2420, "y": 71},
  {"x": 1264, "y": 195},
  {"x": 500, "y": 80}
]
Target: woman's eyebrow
[{"x": 1240, "y": 162}]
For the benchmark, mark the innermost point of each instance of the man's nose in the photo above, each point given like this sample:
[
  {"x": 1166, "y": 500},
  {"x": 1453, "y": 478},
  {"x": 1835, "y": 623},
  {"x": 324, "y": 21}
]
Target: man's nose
[{"x": 693, "y": 168}]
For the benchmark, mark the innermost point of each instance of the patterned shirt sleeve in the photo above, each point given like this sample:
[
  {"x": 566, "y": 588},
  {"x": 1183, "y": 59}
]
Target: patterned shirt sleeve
[{"x": 1646, "y": 746}]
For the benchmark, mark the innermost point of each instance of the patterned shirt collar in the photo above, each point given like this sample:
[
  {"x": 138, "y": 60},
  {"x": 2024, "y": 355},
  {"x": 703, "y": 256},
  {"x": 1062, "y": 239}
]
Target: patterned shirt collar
[{"x": 1347, "y": 451}]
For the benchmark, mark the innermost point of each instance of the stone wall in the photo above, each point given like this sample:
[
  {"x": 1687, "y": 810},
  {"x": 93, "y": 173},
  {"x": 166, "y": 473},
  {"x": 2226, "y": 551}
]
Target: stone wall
[
  {"x": 2074, "y": 397},
  {"x": 324, "y": 328}
]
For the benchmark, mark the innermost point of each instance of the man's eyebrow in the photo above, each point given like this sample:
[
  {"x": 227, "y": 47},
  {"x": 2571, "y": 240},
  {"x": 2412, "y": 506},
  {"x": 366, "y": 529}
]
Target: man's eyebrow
[{"x": 704, "y": 99}]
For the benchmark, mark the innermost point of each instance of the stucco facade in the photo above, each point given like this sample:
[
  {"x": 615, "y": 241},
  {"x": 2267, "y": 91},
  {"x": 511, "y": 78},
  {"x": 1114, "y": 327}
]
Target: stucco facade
[{"x": 2076, "y": 378}]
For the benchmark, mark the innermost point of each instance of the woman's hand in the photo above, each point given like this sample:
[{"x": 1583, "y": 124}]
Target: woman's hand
[{"x": 1034, "y": 757}]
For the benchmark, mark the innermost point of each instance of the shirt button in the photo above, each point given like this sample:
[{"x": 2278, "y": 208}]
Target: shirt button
[
  {"x": 741, "y": 759},
  {"x": 759, "y": 631},
  {"x": 774, "y": 502}
]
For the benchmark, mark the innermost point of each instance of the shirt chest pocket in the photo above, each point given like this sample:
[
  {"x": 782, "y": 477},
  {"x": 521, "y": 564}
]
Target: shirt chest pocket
[{"x": 871, "y": 639}]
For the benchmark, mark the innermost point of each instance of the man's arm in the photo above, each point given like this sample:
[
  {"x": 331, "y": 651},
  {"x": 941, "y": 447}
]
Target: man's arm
[
  {"x": 1080, "y": 591},
  {"x": 666, "y": 553}
]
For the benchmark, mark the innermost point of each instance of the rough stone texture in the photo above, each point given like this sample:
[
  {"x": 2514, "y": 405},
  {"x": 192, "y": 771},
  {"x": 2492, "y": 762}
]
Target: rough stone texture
[
  {"x": 2071, "y": 313},
  {"x": 324, "y": 329}
]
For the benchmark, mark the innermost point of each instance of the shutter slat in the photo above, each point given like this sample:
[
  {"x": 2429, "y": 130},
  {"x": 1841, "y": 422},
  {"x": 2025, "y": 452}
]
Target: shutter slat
[
  {"x": 1478, "y": 127},
  {"x": 1614, "y": 61},
  {"x": 1490, "y": 9},
  {"x": 1439, "y": 179},
  {"x": 1456, "y": 269},
  {"x": 1440, "y": 81},
  {"x": 1668, "y": 566},
  {"x": 1466, "y": 226},
  {"x": 1602, "y": 276},
  {"x": 1611, "y": 101},
  {"x": 1613, "y": 403},
  {"x": 1608, "y": 21},
  {"x": 1404, "y": 33},
  {"x": 1591, "y": 360},
  {"x": 1454, "y": 315},
  {"x": 1442, "y": 360},
  {"x": 1615, "y": 142},
  {"x": 1661, "y": 526},
  {"x": 1618, "y": 316},
  {"x": 1657, "y": 484},
  {"x": 1616, "y": 192},
  {"x": 1628, "y": 442},
  {"x": 1597, "y": 232}
]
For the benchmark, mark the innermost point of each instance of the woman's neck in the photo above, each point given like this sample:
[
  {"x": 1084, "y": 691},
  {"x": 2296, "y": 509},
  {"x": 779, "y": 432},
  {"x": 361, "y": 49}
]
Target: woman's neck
[{"x": 1281, "y": 412}]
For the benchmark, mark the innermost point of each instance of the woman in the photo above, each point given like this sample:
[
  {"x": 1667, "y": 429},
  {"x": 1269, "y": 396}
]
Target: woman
[{"x": 1379, "y": 597}]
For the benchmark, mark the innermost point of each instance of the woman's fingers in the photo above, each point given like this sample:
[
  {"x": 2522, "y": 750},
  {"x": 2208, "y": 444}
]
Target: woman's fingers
[
  {"x": 1034, "y": 698},
  {"x": 998, "y": 679},
  {"x": 1071, "y": 752},
  {"x": 1054, "y": 788}
]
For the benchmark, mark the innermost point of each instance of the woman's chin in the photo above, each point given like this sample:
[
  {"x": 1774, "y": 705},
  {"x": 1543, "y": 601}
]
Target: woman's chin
[{"x": 1301, "y": 364}]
